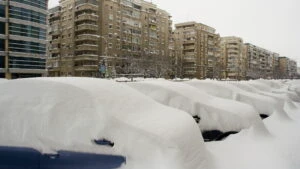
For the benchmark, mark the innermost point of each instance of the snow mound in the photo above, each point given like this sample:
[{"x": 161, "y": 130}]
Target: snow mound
[
  {"x": 263, "y": 104},
  {"x": 51, "y": 114},
  {"x": 228, "y": 115}
]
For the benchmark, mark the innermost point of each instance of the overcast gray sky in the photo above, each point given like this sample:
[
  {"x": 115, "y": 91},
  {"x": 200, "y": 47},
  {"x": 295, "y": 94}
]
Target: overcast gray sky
[{"x": 271, "y": 24}]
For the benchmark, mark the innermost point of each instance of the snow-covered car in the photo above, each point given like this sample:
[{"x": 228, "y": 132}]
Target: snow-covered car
[
  {"x": 264, "y": 105},
  {"x": 216, "y": 117},
  {"x": 61, "y": 117},
  {"x": 29, "y": 158}
]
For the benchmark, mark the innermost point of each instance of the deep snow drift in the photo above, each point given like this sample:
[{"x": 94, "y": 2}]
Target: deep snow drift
[
  {"x": 263, "y": 104},
  {"x": 223, "y": 117},
  {"x": 68, "y": 113},
  {"x": 151, "y": 121}
]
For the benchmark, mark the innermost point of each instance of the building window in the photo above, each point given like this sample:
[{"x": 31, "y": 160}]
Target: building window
[
  {"x": 2, "y": 62},
  {"x": 2, "y": 11},
  {"x": 27, "y": 15},
  {"x": 2, "y": 28},
  {"x": 2, "y": 44},
  {"x": 36, "y": 3},
  {"x": 26, "y": 63},
  {"x": 27, "y": 30},
  {"x": 27, "y": 47}
]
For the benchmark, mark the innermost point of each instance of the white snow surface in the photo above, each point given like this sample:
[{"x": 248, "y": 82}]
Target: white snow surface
[
  {"x": 262, "y": 104},
  {"x": 53, "y": 114},
  {"x": 150, "y": 121},
  {"x": 223, "y": 117}
]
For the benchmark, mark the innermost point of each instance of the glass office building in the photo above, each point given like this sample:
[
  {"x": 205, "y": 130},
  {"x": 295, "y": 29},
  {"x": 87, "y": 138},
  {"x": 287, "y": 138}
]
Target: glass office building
[{"x": 23, "y": 38}]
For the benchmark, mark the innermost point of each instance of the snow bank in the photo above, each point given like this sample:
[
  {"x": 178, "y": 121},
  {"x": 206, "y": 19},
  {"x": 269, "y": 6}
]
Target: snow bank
[
  {"x": 283, "y": 98},
  {"x": 274, "y": 145},
  {"x": 263, "y": 104},
  {"x": 52, "y": 114},
  {"x": 215, "y": 113}
]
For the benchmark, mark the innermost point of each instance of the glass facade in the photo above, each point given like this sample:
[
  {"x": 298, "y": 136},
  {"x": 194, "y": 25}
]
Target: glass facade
[
  {"x": 25, "y": 23},
  {"x": 36, "y": 3},
  {"x": 2, "y": 11},
  {"x": 27, "y": 15},
  {"x": 2, "y": 28},
  {"x": 2, "y": 44},
  {"x": 27, "y": 47},
  {"x": 27, "y": 30},
  {"x": 2, "y": 61},
  {"x": 26, "y": 63}
]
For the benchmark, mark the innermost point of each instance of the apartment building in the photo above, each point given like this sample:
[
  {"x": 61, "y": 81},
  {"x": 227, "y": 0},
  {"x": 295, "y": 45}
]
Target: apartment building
[
  {"x": 287, "y": 68},
  {"x": 233, "y": 60},
  {"x": 22, "y": 38},
  {"x": 276, "y": 69},
  {"x": 292, "y": 69},
  {"x": 197, "y": 47},
  {"x": 260, "y": 62},
  {"x": 128, "y": 37}
]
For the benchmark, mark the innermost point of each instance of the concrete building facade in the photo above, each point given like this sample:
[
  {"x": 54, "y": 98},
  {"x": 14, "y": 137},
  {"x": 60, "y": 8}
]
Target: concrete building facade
[
  {"x": 260, "y": 62},
  {"x": 233, "y": 60},
  {"x": 287, "y": 68},
  {"x": 23, "y": 38},
  {"x": 196, "y": 50},
  {"x": 127, "y": 37}
]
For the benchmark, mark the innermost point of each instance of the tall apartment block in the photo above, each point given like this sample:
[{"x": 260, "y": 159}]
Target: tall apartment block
[
  {"x": 287, "y": 68},
  {"x": 22, "y": 38},
  {"x": 276, "y": 68},
  {"x": 260, "y": 62},
  {"x": 197, "y": 48},
  {"x": 129, "y": 37},
  {"x": 233, "y": 60}
]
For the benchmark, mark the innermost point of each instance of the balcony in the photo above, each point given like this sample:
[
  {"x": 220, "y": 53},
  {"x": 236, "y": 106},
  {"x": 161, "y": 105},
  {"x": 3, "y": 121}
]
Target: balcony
[
  {"x": 232, "y": 46},
  {"x": 55, "y": 50},
  {"x": 55, "y": 41},
  {"x": 83, "y": 27},
  {"x": 190, "y": 72},
  {"x": 86, "y": 16},
  {"x": 86, "y": 68},
  {"x": 189, "y": 59},
  {"x": 55, "y": 15},
  {"x": 189, "y": 53},
  {"x": 86, "y": 7},
  {"x": 189, "y": 41},
  {"x": 86, "y": 57},
  {"x": 54, "y": 32},
  {"x": 84, "y": 37},
  {"x": 190, "y": 47},
  {"x": 86, "y": 47}
]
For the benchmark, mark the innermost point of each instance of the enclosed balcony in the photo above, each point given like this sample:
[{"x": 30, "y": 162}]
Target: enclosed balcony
[
  {"x": 83, "y": 27},
  {"x": 86, "y": 16},
  {"x": 55, "y": 50},
  {"x": 86, "y": 6},
  {"x": 86, "y": 68},
  {"x": 189, "y": 59},
  {"x": 55, "y": 41},
  {"x": 86, "y": 47},
  {"x": 85, "y": 37},
  {"x": 86, "y": 57}
]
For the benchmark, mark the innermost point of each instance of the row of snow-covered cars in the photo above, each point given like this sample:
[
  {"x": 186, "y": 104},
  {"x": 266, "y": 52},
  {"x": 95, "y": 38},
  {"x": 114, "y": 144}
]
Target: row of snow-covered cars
[{"x": 221, "y": 108}]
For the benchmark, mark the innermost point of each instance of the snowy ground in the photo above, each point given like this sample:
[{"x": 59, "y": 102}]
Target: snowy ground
[{"x": 150, "y": 121}]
